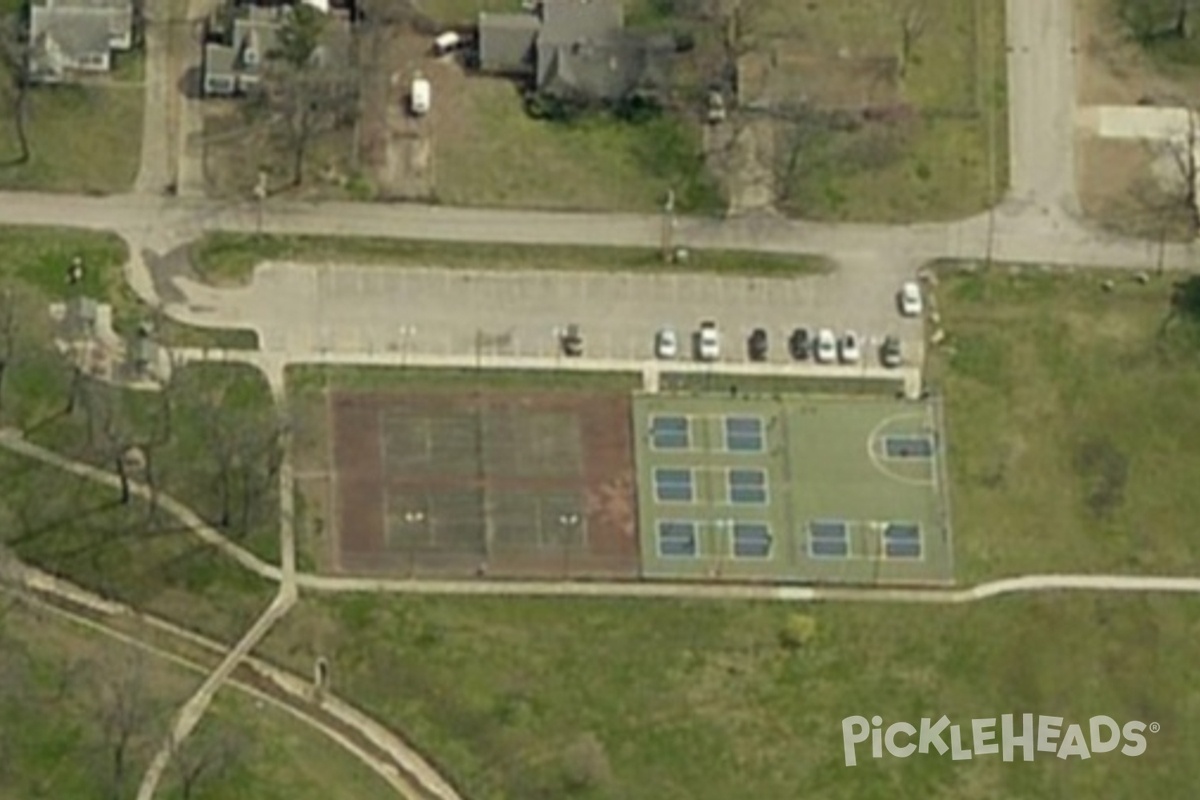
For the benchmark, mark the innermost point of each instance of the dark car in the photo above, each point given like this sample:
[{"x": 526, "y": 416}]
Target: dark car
[
  {"x": 572, "y": 341},
  {"x": 800, "y": 344},
  {"x": 890, "y": 353},
  {"x": 758, "y": 345}
]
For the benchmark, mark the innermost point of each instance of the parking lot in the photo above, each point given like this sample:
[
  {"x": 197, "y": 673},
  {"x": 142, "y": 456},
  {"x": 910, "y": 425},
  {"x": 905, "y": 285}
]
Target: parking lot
[{"x": 336, "y": 308}]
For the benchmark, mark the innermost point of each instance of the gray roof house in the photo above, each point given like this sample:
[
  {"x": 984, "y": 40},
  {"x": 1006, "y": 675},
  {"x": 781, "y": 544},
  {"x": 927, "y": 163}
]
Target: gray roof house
[
  {"x": 68, "y": 36},
  {"x": 575, "y": 48},
  {"x": 237, "y": 49}
]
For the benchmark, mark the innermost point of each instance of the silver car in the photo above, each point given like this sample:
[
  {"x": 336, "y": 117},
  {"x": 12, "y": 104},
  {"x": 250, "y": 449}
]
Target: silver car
[
  {"x": 825, "y": 346},
  {"x": 849, "y": 351},
  {"x": 666, "y": 344}
]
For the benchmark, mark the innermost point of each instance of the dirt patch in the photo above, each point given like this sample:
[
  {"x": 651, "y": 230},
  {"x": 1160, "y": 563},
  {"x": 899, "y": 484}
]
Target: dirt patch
[
  {"x": 1114, "y": 70},
  {"x": 1123, "y": 188},
  {"x": 506, "y": 483},
  {"x": 398, "y": 147}
]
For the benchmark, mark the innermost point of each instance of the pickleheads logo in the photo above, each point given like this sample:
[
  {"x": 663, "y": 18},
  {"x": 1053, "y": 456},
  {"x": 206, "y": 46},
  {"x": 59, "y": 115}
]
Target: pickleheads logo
[{"x": 1030, "y": 735}]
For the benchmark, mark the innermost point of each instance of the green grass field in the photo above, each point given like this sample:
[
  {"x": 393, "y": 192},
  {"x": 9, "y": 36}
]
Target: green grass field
[
  {"x": 79, "y": 530},
  {"x": 230, "y": 258},
  {"x": 606, "y": 700},
  {"x": 1071, "y": 442},
  {"x": 34, "y": 262},
  {"x": 57, "y": 676},
  {"x": 500, "y": 156},
  {"x": 950, "y": 158},
  {"x": 210, "y": 448},
  {"x": 83, "y": 139}
]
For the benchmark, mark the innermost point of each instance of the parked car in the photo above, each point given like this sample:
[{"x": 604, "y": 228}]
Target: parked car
[
  {"x": 825, "y": 349},
  {"x": 757, "y": 345},
  {"x": 448, "y": 42},
  {"x": 708, "y": 342},
  {"x": 890, "y": 354},
  {"x": 420, "y": 97},
  {"x": 911, "y": 304},
  {"x": 666, "y": 344},
  {"x": 849, "y": 351},
  {"x": 572, "y": 341},
  {"x": 799, "y": 344},
  {"x": 716, "y": 106}
]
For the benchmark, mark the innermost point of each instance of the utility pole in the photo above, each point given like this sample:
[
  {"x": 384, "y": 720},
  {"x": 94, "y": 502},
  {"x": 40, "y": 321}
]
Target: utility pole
[
  {"x": 668, "y": 227},
  {"x": 260, "y": 197}
]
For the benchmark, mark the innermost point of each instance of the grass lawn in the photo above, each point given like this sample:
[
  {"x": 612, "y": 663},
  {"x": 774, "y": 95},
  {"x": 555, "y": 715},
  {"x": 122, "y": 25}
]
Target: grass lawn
[
  {"x": 763, "y": 384},
  {"x": 230, "y": 258},
  {"x": 1073, "y": 445},
  {"x": 35, "y": 260},
  {"x": 83, "y": 139},
  {"x": 60, "y": 750},
  {"x": 78, "y": 529},
  {"x": 491, "y": 153},
  {"x": 603, "y": 699},
  {"x": 307, "y": 379},
  {"x": 949, "y": 159}
]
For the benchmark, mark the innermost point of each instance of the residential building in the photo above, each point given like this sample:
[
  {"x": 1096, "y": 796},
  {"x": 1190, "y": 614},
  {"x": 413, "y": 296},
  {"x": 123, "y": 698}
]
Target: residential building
[
  {"x": 240, "y": 39},
  {"x": 77, "y": 36},
  {"x": 236, "y": 48},
  {"x": 575, "y": 49}
]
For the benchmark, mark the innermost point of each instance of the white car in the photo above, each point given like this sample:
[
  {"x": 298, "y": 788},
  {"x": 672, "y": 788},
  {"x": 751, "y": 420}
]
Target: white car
[
  {"x": 825, "y": 346},
  {"x": 911, "y": 304},
  {"x": 708, "y": 342},
  {"x": 666, "y": 344},
  {"x": 849, "y": 351}
]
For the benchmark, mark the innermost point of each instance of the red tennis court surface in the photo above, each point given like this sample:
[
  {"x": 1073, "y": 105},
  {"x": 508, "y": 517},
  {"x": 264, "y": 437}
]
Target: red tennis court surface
[{"x": 502, "y": 483}]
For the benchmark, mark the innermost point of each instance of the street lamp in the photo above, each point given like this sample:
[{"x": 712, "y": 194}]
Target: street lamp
[
  {"x": 260, "y": 197},
  {"x": 568, "y": 521},
  {"x": 668, "y": 226}
]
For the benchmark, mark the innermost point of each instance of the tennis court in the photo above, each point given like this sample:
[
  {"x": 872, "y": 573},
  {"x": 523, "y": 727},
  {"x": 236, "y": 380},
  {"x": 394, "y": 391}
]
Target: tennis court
[
  {"x": 505, "y": 483},
  {"x": 791, "y": 488}
]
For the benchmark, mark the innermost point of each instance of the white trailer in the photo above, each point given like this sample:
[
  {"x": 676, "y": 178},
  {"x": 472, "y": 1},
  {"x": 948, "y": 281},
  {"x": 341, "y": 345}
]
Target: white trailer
[{"x": 419, "y": 96}]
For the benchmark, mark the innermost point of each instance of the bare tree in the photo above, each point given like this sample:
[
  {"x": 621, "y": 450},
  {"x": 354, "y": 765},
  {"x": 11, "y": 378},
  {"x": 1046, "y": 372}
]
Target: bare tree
[
  {"x": 128, "y": 717},
  {"x": 744, "y": 29},
  {"x": 309, "y": 91},
  {"x": 1182, "y": 153},
  {"x": 8, "y": 335},
  {"x": 913, "y": 20},
  {"x": 205, "y": 758},
  {"x": 14, "y": 61}
]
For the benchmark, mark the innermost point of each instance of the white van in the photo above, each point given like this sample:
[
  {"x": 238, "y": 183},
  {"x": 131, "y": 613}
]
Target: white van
[
  {"x": 419, "y": 97},
  {"x": 447, "y": 42}
]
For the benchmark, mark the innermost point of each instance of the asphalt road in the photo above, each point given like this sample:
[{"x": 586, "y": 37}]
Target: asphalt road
[{"x": 1042, "y": 103}]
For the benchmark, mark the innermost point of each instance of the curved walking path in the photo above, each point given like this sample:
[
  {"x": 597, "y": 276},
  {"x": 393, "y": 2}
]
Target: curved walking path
[
  {"x": 424, "y": 783},
  {"x": 193, "y": 710},
  {"x": 403, "y": 769},
  {"x": 626, "y": 589}
]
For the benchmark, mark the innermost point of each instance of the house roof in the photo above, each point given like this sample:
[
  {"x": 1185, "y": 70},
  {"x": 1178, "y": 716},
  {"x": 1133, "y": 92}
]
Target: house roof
[
  {"x": 71, "y": 34},
  {"x": 570, "y": 21},
  {"x": 506, "y": 41},
  {"x": 574, "y": 48},
  {"x": 255, "y": 29},
  {"x": 608, "y": 68}
]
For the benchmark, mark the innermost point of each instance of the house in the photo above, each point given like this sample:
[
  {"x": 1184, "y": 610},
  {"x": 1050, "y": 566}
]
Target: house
[
  {"x": 240, "y": 39},
  {"x": 236, "y": 49},
  {"x": 76, "y": 36},
  {"x": 575, "y": 49}
]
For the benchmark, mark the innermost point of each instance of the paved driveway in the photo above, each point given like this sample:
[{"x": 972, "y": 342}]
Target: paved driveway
[{"x": 302, "y": 308}]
